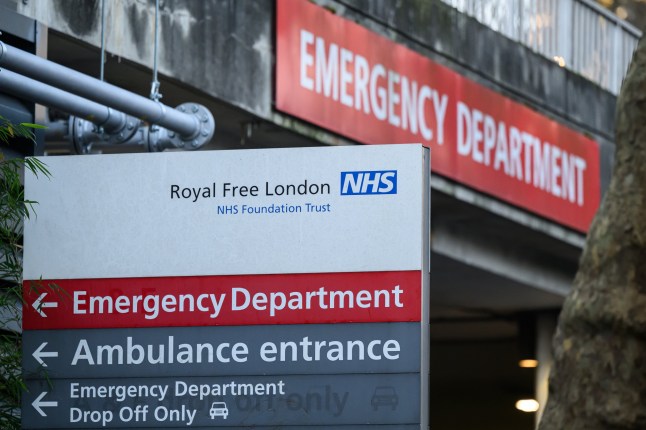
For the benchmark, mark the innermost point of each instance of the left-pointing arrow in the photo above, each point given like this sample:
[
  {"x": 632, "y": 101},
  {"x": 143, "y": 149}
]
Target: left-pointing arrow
[
  {"x": 39, "y": 354},
  {"x": 39, "y": 305},
  {"x": 37, "y": 404}
]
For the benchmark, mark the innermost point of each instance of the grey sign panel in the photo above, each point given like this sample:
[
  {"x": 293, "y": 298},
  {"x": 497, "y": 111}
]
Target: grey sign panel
[
  {"x": 237, "y": 350},
  {"x": 292, "y": 400}
]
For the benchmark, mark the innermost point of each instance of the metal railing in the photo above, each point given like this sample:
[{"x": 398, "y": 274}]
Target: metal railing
[{"x": 577, "y": 34}]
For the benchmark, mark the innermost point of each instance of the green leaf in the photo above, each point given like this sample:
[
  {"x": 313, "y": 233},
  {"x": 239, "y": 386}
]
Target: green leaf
[
  {"x": 31, "y": 125},
  {"x": 14, "y": 208}
]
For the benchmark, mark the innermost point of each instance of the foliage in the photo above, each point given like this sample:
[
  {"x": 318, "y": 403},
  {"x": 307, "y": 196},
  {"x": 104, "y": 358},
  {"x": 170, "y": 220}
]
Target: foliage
[
  {"x": 13, "y": 209},
  {"x": 9, "y": 131}
]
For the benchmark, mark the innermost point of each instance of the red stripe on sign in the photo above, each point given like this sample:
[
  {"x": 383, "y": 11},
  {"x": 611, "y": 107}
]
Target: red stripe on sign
[{"x": 223, "y": 300}]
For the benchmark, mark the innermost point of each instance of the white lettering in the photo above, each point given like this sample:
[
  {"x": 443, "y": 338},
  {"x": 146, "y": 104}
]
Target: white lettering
[
  {"x": 580, "y": 166},
  {"x": 393, "y": 99},
  {"x": 476, "y": 132},
  {"x": 83, "y": 353},
  {"x": 327, "y": 69},
  {"x": 501, "y": 156},
  {"x": 519, "y": 154},
  {"x": 361, "y": 84},
  {"x": 489, "y": 138},
  {"x": 346, "y": 77},
  {"x": 425, "y": 93},
  {"x": 464, "y": 129},
  {"x": 378, "y": 94},
  {"x": 307, "y": 60},
  {"x": 440, "y": 103},
  {"x": 409, "y": 105},
  {"x": 234, "y": 296}
]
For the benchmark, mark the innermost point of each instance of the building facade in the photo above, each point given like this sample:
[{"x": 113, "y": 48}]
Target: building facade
[{"x": 521, "y": 146}]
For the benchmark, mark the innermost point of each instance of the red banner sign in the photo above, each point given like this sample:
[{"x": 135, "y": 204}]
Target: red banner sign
[
  {"x": 347, "y": 79},
  {"x": 223, "y": 300}
]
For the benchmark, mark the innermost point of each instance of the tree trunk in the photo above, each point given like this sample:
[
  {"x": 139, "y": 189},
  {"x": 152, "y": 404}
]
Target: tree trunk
[{"x": 599, "y": 376}]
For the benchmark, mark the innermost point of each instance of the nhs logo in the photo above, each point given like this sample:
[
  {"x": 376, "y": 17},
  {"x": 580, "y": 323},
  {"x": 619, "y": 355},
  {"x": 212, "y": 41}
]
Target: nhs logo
[{"x": 369, "y": 182}]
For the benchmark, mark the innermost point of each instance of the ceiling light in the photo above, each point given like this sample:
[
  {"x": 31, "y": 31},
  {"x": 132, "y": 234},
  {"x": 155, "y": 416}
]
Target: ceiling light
[
  {"x": 621, "y": 12},
  {"x": 528, "y": 363},
  {"x": 527, "y": 405}
]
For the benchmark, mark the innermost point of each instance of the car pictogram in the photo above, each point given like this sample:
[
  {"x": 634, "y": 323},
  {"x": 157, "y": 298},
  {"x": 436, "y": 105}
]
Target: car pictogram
[
  {"x": 384, "y": 396},
  {"x": 219, "y": 409}
]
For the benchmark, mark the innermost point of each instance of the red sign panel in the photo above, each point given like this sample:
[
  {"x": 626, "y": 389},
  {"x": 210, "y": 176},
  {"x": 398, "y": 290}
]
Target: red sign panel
[
  {"x": 224, "y": 300},
  {"x": 345, "y": 78}
]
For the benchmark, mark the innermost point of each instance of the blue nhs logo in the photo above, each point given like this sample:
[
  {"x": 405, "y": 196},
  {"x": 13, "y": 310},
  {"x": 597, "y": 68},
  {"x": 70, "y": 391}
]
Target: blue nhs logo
[{"x": 369, "y": 182}]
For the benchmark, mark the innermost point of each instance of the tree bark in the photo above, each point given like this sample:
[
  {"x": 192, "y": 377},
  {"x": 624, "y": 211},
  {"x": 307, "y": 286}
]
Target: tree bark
[{"x": 599, "y": 376}]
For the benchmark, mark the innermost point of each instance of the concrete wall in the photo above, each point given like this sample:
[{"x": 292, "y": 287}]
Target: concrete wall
[{"x": 221, "y": 47}]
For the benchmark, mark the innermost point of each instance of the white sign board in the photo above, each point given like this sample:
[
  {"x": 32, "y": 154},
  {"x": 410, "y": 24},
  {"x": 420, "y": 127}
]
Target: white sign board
[{"x": 225, "y": 212}]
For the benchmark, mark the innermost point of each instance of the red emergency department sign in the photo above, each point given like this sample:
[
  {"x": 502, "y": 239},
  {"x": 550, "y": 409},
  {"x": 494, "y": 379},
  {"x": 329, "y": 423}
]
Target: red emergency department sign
[
  {"x": 312, "y": 298},
  {"x": 345, "y": 78}
]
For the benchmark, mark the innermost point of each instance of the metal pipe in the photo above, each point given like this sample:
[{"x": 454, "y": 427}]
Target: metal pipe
[
  {"x": 87, "y": 139},
  {"x": 102, "y": 40},
  {"x": 188, "y": 126},
  {"x": 56, "y": 130},
  {"x": 23, "y": 87},
  {"x": 154, "y": 85}
]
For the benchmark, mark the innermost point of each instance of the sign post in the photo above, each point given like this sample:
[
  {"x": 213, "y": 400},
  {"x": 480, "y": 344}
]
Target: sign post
[{"x": 229, "y": 289}]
